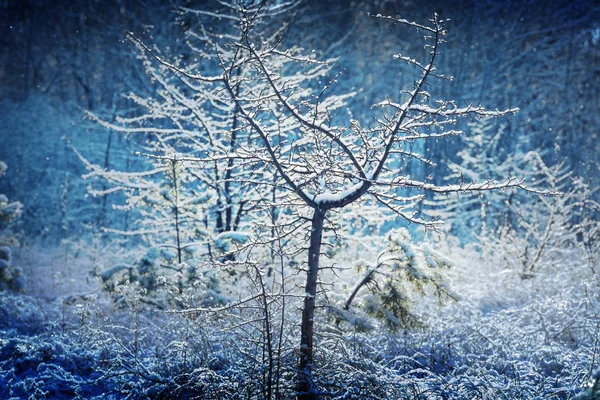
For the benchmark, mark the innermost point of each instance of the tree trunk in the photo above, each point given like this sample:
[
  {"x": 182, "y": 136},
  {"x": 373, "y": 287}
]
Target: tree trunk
[
  {"x": 176, "y": 210},
  {"x": 365, "y": 280},
  {"x": 305, "y": 383}
]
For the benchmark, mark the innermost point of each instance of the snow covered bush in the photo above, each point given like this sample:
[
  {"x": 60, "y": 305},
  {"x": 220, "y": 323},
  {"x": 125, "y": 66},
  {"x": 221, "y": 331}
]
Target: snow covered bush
[
  {"x": 402, "y": 274},
  {"x": 163, "y": 282},
  {"x": 593, "y": 390},
  {"x": 543, "y": 340},
  {"x": 11, "y": 277},
  {"x": 9, "y": 210}
]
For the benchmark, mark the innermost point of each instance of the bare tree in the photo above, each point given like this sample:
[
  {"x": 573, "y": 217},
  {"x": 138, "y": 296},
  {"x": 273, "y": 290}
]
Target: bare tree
[{"x": 328, "y": 167}]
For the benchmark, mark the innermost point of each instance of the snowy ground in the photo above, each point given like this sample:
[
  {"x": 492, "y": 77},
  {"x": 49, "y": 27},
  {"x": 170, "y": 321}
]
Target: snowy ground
[{"x": 506, "y": 338}]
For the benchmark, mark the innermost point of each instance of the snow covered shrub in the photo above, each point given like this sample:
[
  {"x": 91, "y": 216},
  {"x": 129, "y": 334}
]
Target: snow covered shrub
[
  {"x": 40, "y": 360},
  {"x": 11, "y": 277},
  {"x": 24, "y": 314},
  {"x": 593, "y": 391},
  {"x": 145, "y": 271},
  {"x": 538, "y": 335},
  {"x": 8, "y": 210},
  {"x": 527, "y": 233},
  {"x": 143, "y": 353},
  {"x": 164, "y": 283},
  {"x": 402, "y": 274}
]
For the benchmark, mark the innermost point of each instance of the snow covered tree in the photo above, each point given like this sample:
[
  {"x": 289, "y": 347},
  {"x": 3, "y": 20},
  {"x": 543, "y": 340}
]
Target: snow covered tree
[
  {"x": 483, "y": 156},
  {"x": 525, "y": 229},
  {"x": 167, "y": 206},
  {"x": 538, "y": 230},
  {"x": 326, "y": 168},
  {"x": 543, "y": 59}
]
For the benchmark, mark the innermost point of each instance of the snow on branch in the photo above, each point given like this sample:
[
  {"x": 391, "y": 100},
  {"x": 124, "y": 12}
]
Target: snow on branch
[
  {"x": 406, "y": 22},
  {"x": 444, "y": 111},
  {"x": 170, "y": 66},
  {"x": 305, "y": 122},
  {"x": 464, "y": 187}
]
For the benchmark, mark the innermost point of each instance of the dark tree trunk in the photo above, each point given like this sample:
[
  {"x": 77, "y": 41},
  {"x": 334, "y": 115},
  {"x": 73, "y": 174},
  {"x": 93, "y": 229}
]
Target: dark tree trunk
[
  {"x": 305, "y": 383},
  {"x": 176, "y": 209},
  {"x": 365, "y": 280},
  {"x": 102, "y": 216}
]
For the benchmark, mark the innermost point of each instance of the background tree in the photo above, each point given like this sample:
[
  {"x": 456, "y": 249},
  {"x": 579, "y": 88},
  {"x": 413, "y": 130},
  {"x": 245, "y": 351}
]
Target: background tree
[
  {"x": 82, "y": 64},
  {"x": 49, "y": 76},
  {"x": 191, "y": 132}
]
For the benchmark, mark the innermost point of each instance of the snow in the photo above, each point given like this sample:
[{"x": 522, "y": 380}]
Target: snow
[
  {"x": 330, "y": 197},
  {"x": 79, "y": 345},
  {"x": 333, "y": 197}
]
